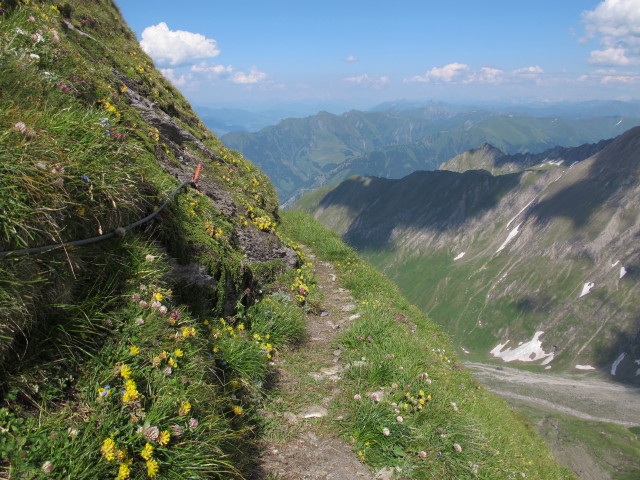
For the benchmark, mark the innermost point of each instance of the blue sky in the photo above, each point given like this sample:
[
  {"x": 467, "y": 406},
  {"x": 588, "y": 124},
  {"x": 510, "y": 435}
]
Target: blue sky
[{"x": 360, "y": 53}]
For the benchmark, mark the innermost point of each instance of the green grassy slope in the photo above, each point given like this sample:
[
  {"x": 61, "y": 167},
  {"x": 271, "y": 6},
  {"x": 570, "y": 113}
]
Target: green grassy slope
[
  {"x": 146, "y": 354},
  {"x": 441, "y": 423}
]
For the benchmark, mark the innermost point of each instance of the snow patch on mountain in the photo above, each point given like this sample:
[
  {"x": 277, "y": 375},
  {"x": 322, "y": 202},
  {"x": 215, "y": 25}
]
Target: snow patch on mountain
[
  {"x": 586, "y": 288},
  {"x": 510, "y": 237},
  {"x": 530, "y": 351}
]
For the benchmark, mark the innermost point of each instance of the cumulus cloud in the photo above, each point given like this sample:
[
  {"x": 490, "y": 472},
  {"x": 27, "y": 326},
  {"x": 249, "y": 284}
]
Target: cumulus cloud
[
  {"x": 351, "y": 58},
  {"x": 176, "y": 80},
  {"x": 610, "y": 76},
  {"x": 227, "y": 72},
  {"x": 457, "y": 73},
  {"x": 373, "y": 81},
  {"x": 212, "y": 71},
  {"x": 612, "y": 56},
  {"x": 616, "y": 26},
  {"x": 449, "y": 73},
  {"x": 170, "y": 48},
  {"x": 254, "y": 76}
]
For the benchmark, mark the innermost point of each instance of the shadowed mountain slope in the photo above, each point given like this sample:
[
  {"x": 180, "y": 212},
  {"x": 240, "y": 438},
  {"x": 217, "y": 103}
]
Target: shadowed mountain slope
[{"x": 495, "y": 259}]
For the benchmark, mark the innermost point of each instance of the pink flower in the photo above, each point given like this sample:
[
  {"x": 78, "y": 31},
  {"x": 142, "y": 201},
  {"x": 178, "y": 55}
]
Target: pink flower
[
  {"x": 376, "y": 397},
  {"x": 399, "y": 419},
  {"x": 64, "y": 88},
  {"x": 422, "y": 454},
  {"x": 163, "y": 309},
  {"x": 193, "y": 423},
  {"x": 386, "y": 432},
  {"x": 136, "y": 297},
  {"x": 84, "y": 21},
  {"x": 156, "y": 304},
  {"x": 143, "y": 304},
  {"x": 457, "y": 447},
  {"x": 31, "y": 19},
  {"x": 20, "y": 127},
  {"x": 357, "y": 397},
  {"x": 139, "y": 321}
]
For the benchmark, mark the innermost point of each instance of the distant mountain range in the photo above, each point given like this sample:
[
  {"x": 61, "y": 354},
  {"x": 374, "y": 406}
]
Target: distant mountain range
[
  {"x": 539, "y": 265},
  {"x": 393, "y": 140}
]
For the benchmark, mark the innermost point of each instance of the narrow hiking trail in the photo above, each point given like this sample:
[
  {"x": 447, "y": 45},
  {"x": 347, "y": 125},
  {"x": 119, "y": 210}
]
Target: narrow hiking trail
[{"x": 301, "y": 443}]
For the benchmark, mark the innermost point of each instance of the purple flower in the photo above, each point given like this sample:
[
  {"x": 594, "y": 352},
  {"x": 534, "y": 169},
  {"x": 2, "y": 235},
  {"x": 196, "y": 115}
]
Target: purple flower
[
  {"x": 64, "y": 88},
  {"x": 175, "y": 314},
  {"x": 193, "y": 423}
]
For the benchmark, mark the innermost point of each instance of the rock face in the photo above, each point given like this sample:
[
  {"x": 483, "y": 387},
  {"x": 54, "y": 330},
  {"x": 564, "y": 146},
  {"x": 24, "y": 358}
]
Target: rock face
[{"x": 531, "y": 240}]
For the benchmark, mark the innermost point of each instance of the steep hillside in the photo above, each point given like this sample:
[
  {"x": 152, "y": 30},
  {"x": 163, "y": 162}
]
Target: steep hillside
[
  {"x": 146, "y": 290},
  {"x": 541, "y": 258},
  {"x": 303, "y": 154}
]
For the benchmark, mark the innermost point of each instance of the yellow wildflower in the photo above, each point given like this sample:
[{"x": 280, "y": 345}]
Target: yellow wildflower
[
  {"x": 131, "y": 391},
  {"x": 123, "y": 471},
  {"x": 158, "y": 296},
  {"x": 237, "y": 410},
  {"x": 125, "y": 371},
  {"x": 188, "y": 332},
  {"x": 134, "y": 350},
  {"x": 108, "y": 449},
  {"x": 185, "y": 408},
  {"x": 172, "y": 363},
  {"x": 178, "y": 353},
  {"x": 164, "y": 437},
  {"x": 147, "y": 451},
  {"x": 152, "y": 468}
]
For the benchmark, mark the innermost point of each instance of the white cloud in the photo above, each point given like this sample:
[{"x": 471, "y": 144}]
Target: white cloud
[
  {"x": 612, "y": 56},
  {"x": 460, "y": 73},
  {"x": 212, "y": 71},
  {"x": 529, "y": 71},
  {"x": 448, "y": 73},
  {"x": 170, "y": 48},
  {"x": 351, "y": 58},
  {"x": 610, "y": 76},
  {"x": 616, "y": 25},
  {"x": 489, "y": 75},
  {"x": 374, "y": 81},
  {"x": 170, "y": 74},
  {"x": 254, "y": 76}
]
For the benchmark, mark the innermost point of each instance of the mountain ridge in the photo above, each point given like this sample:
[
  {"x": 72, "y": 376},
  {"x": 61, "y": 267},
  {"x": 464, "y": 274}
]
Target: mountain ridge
[
  {"x": 552, "y": 230},
  {"x": 303, "y": 154}
]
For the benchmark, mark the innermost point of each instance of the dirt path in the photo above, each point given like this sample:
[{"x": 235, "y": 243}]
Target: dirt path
[
  {"x": 580, "y": 395},
  {"x": 301, "y": 444}
]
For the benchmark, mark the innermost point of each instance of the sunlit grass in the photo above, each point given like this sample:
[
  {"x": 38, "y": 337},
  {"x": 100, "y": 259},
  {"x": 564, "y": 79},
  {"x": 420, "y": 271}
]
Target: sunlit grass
[{"x": 407, "y": 403}]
